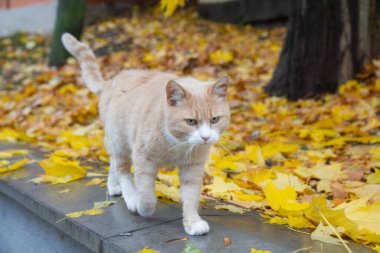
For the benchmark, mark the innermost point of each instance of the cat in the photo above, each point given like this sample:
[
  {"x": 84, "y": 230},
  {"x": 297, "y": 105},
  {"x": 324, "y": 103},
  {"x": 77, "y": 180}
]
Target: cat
[{"x": 155, "y": 119}]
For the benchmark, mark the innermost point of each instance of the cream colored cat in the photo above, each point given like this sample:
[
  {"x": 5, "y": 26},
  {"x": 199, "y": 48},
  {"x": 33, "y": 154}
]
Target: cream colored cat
[{"x": 152, "y": 120}]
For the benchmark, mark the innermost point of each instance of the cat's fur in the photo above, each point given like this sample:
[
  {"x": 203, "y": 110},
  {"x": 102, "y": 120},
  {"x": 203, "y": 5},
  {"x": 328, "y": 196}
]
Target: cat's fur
[{"x": 144, "y": 113}]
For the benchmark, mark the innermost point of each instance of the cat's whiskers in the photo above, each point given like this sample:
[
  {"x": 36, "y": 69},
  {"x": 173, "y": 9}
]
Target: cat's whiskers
[
  {"x": 174, "y": 147},
  {"x": 225, "y": 148},
  {"x": 218, "y": 148},
  {"x": 230, "y": 141}
]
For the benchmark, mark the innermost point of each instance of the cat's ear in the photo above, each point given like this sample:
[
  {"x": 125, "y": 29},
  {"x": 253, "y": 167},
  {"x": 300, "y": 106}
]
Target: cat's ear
[
  {"x": 220, "y": 87},
  {"x": 175, "y": 94}
]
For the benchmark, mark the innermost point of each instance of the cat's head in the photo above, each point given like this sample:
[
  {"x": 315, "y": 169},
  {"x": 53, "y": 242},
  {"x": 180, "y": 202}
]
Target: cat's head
[{"x": 197, "y": 112}]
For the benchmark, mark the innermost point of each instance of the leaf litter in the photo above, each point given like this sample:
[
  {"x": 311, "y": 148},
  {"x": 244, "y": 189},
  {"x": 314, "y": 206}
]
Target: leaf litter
[{"x": 295, "y": 162}]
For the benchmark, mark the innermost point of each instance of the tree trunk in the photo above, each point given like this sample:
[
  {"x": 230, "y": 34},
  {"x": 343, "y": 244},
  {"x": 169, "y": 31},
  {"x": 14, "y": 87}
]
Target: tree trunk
[
  {"x": 328, "y": 42},
  {"x": 70, "y": 18}
]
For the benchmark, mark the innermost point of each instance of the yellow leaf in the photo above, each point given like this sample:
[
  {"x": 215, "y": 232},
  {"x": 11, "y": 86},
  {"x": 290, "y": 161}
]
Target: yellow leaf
[
  {"x": 260, "y": 158},
  {"x": 146, "y": 250},
  {"x": 169, "y": 6},
  {"x": 365, "y": 215},
  {"x": 283, "y": 199},
  {"x": 260, "y": 109},
  {"x": 4, "y": 163},
  {"x": 226, "y": 162},
  {"x": 15, "y": 166},
  {"x": 273, "y": 148},
  {"x": 375, "y": 154},
  {"x": 221, "y": 57},
  {"x": 13, "y": 152},
  {"x": 75, "y": 214},
  {"x": 10, "y": 135},
  {"x": 169, "y": 192},
  {"x": 259, "y": 251},
  {"x": 374, "y": 178},
  {"x": 169, "y": 176},
  {"x": 323, "y": 233},
  {"x": 284, "y": 179},
  {"x": 230, "y": 208},
  {"x": 93, "y": 211},
  {"x": 278, "y": 220},
  {"x": 247, "y": 197},
  {"x": 67, "y": 190},
  {"x": 102, "y": 204},
  {"x": 95, "y": 181},
  {"x": 85, "y": 212},
  {"x": 220, "y": 187},
  {"x": 299, "y": 222},
  {"x": 258, "y": 176},
  {"x": 61, "y": 170},
  {"x": 331, "y": 172}
]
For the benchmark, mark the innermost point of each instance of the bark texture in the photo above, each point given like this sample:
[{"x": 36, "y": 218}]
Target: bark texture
[
  {"x": 70, "y": 18},
  {"x": 327, "y": 43}
]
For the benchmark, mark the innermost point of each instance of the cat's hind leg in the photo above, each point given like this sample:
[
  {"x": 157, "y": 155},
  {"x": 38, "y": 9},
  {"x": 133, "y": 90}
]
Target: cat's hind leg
[{"x": 120, "y": 181}]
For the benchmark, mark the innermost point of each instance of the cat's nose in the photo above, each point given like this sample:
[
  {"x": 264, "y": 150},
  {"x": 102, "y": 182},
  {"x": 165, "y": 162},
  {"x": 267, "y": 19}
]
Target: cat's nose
[{"x": 205, "y": 138}]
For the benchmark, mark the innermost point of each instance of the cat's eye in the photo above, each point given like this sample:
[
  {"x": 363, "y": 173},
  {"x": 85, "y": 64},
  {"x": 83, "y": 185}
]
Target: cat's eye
[
  {"x": 214, "y": 120},
  {"x": 191, "y": 122}
]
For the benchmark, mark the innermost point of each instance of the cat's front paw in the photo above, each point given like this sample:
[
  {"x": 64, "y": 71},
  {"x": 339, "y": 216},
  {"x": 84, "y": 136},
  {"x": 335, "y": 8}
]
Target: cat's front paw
[
  {"x": 199, "y": 227},
  {"x": 147, "y": 206},
  {"x": 114, "y": 190},
  {"x": 131, "y": 203}
]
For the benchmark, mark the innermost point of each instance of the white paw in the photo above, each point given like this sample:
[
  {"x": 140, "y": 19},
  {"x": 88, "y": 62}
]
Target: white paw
[
  {"x": 114, "y": 190},
  {"x": 131, "y": 203},
  {"x": 146, "y": 207},
  {"x": 199, "y": 227}
]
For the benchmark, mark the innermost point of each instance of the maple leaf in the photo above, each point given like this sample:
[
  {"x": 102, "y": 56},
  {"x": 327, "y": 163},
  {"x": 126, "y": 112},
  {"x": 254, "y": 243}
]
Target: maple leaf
[
  {"x": 283, "y": 199},
  {"x": 323, "y": 233},
  {"x": 59, "y": 170},
  {"x": 220, "y": 187}
]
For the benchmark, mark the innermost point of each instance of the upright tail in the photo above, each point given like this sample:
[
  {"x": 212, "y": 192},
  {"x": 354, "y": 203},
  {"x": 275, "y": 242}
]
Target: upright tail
[{"x": 86, "y": 58}]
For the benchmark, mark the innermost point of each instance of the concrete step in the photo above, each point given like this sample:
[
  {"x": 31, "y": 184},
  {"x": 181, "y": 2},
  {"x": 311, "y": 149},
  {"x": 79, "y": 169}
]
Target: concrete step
[{"x": 32, "y": 215}]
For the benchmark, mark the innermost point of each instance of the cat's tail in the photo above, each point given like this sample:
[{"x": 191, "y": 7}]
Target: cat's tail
[{"x": 90, "y": 69}]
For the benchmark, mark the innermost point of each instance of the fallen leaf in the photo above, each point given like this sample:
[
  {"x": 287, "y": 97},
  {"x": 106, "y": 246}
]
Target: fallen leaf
[
  {"x": 283, "y": 199},
  {"x": 168, "y": 192},
  {"x": 374, "y": 178},
  {"x": 95, "y": 181},
  {"x": 323, "y": 233},
  {"x": 147, "y": 250},
  {"x": 17, "y": 165},
  {"x": 67, "y": 190},
  {"x": 13, "y": 152},
  {"x": 259, "y": 251},
  {"x": 59, "y": 170},
  {"x": 227, "y": 241},
  {"x": 230, "y": 208},
  {"x": 190, "y": 248},
  {"x": 85, "y": 212},
  {"x": 102, "y": 204}
]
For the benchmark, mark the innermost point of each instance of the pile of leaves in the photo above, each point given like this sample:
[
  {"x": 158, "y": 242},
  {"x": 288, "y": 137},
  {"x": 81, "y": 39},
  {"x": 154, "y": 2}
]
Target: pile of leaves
[{"x": 305, "y": 164}]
